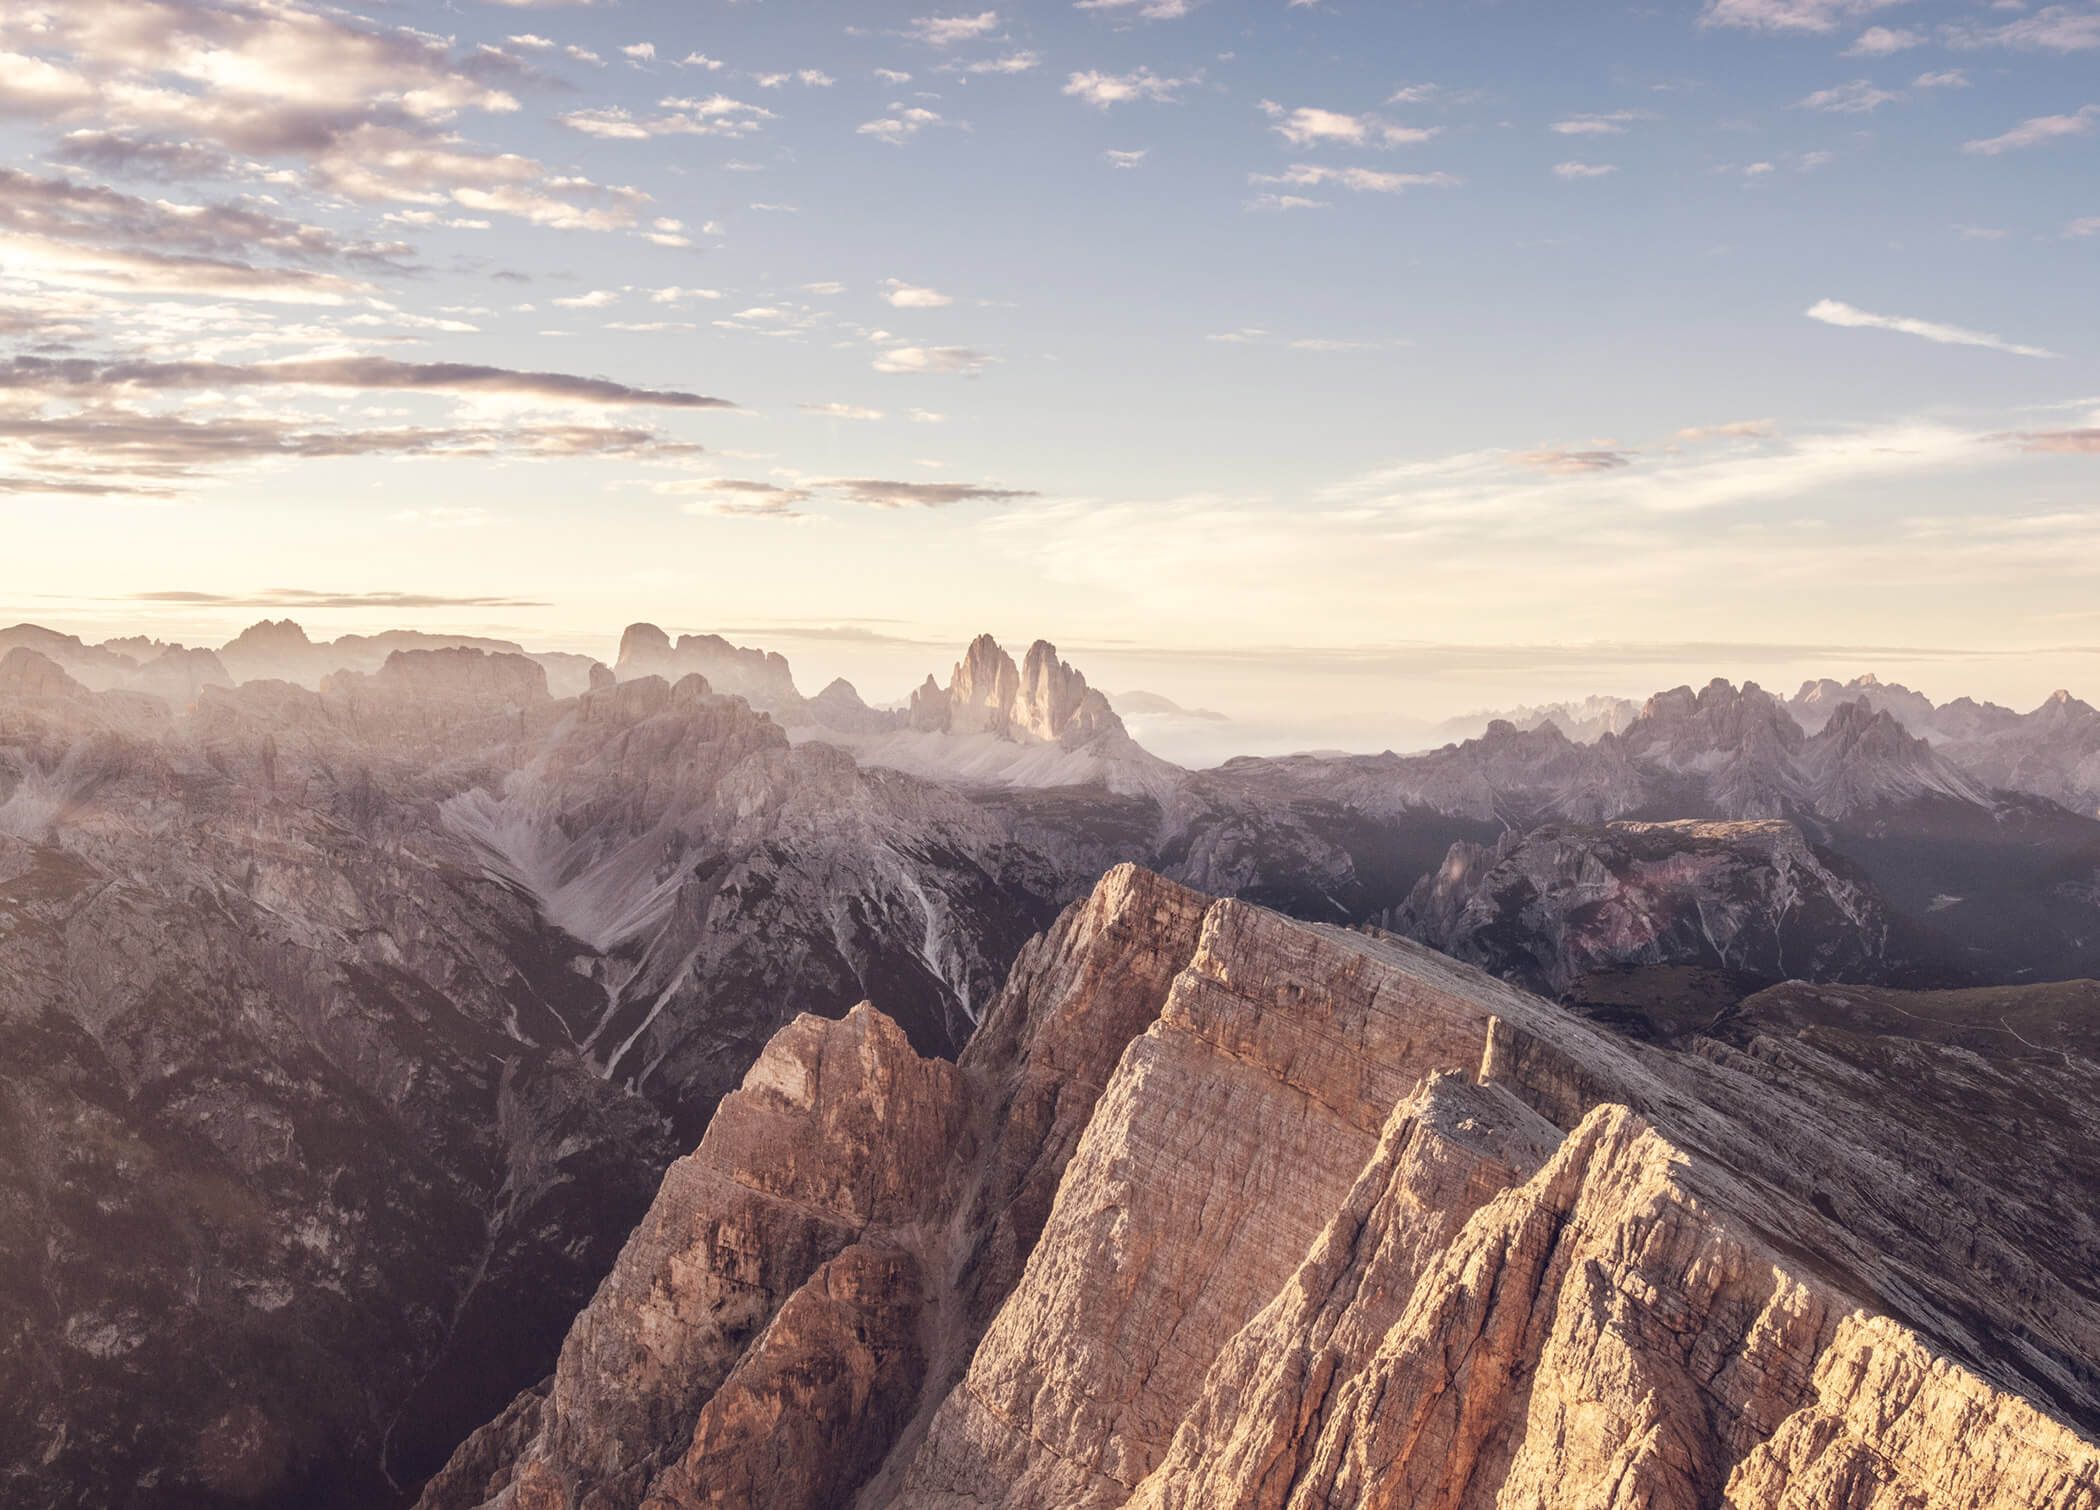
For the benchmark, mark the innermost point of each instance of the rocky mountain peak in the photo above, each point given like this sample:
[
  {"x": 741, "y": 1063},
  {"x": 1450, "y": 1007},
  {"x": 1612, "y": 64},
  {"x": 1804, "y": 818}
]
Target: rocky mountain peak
[
  {"x": 1041, "y": 700},
  {"x": 762, "y": 678},
  {"x": 25, "y": 673},
  {"x": 271, "y": 635},
  {"x": 982, "y": 689},
  {"x": 441, "y": 684},
  {"x": 178, "y": 675},
  {"x": 640, "y": 642}
]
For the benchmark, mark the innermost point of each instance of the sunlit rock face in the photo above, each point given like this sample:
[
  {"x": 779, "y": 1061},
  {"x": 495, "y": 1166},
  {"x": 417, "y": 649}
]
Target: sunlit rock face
[{"x": 1339, "y": 1222}]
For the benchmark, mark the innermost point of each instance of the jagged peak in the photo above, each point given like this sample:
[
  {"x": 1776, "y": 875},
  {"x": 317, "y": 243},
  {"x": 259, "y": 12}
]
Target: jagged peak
[
  {"x": 273, "y": 632},
  {"x": 26, "y": 673},
  {"x": 643, "y": 639}
]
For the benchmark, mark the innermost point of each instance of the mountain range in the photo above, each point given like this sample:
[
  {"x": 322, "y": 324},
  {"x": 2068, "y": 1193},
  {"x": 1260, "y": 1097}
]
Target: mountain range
[
  {"x": 1220, "y": 1210},
  {"x": 360, "y": 994}
]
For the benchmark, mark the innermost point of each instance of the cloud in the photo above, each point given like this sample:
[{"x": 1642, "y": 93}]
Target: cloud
[
  {"x": 1613, "y": 124},
  {"x": 1571, "y": 463},
  {"x": 641, "y": 52},
  {"x": 1121, "y": 159},
  {"x": 910, "y": 296},
  {"x": 919, "y": 360},
  {"x": 2084, "y": 442},
  {"x": 117, "y": 270},
  {"x": 79, "y": 377},
  {"x": 878, "y": 494},
  {"x": 1280, "y": 202},
  {"x": 305, "y": 597},
  {"x": 946, "y": 31},
  {"x": 736, "y": 498},
  {"x": 717, "y": 115},
  {"x": 840, "y": 411},
  {"x": 892, "y": 76},
  {"x": 2053, "y": 28},
  {"x": 131, "y": 156},
  {"x": 1574, "y": 170},
  {"x": 1831, "y": 312},
  {"x": 48, "y": 212},
  {"x": 371, "y": 111},
  {"x": 1787, "y": 15},
  {"x": 1946, "y": 78},
  {"x": 1758, "y": 429},
  {"x": 2034, "y": 133},
  {"x": 1855, "y": 98},
  {"x": 1362, "y": 180},
  {"x": 1880, "y": 41},
  {"x": 901, "y": 127},
  {"x": 2087, "y": 225},
  {"x": 1013, "y": 62},
  {"x": 1309, "y": 127},
  {"x": 118, "y": 449},
  {"x": 1105, "y": 89},
  {"x": 1149, "y": 10}
]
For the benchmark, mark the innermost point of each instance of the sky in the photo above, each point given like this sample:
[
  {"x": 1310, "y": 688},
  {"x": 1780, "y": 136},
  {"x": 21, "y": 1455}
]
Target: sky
[{"x": 1332, "y": 364}]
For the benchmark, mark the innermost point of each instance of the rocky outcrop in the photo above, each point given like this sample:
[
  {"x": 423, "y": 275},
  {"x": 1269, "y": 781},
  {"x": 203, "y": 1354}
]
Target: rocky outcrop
[
  {"x": 847, "y": 1225},
  {"x": 178, "y": 677},
  {"x": 761, "y": 677},
  {"x": 839, "y": 707},
  {"x": 25, "y": 674},
  {"x": 1547, "y": 907},
  {"x": 1353, "y": 1226},
  {"x": 1042, "y": 700}
]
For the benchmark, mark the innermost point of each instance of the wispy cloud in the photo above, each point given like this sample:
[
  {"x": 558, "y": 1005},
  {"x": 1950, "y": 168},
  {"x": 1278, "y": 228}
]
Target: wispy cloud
[
  {"x": 2053, "y": 28},
  {"x": 306, "y": 597},
  {"x": 1361, "y": 180},
  {"x": 1740, "y": 429},
  {"x": 1858, "y": 97},
  {"x": 1571, "y": 463},
  {"x": 946, "y": 31},
  {"x": 879, "y": 494},
  {"x": 1788, "y": 15},
  {"x": 1881, "y": 41},
  {"x": 85, "y": 378},
  {"x": 1105, "y": 89},
  {"x": 1307, "y": 126},
  {"x": 1579, "y": 170},
  {"x": 902, "y": 126},
  {"x": 2037, "y": 132},
  {"x": 1148, "y": 10},
  {"x": 1832, "y": 312},
  {"x": 1612, "y": 124},
  {"x": 840, "y": 411},
  {"x": 717, "y": 115},
  {"x": 737, "y": 498},
  {"x": 916, "y": 361}
]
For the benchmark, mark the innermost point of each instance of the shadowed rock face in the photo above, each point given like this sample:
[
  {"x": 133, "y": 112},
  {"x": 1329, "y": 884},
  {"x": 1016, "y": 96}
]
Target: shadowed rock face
[
  {"x": 345, "y": 1034},
  {"x": 1545, "y": 908},
  {"x": 1352, "y": 1225}
]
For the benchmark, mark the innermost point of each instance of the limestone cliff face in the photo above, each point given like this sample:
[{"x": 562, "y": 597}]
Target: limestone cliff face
[
  {"x": 816, "y": 1273},
  {"x": 1041, "y": 700},
  {"x": 1347, "y": 1226}
]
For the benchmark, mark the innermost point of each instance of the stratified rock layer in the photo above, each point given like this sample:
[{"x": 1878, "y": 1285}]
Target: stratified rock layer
[{"x": 1349, "y": 1225}]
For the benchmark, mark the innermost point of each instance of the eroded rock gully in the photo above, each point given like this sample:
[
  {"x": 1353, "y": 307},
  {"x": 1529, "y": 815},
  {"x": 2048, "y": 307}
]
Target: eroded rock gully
[{"x": 1221, "y": 1210}]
